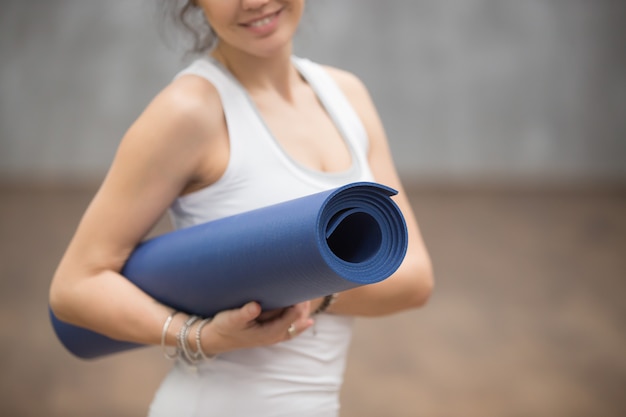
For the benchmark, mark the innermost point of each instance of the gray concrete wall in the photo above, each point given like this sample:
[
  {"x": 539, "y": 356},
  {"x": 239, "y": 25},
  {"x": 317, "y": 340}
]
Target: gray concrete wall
[{"x": 467, "y": 89}]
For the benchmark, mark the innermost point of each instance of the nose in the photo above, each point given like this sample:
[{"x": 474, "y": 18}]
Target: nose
[{"x": 253, "y": 4}]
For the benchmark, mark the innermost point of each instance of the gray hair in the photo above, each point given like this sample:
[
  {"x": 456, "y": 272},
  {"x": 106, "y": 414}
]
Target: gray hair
[{"x": 186, "y": 14}]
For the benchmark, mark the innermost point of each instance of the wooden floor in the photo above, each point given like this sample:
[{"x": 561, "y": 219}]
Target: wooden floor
[{"x": 528, "y": 317}]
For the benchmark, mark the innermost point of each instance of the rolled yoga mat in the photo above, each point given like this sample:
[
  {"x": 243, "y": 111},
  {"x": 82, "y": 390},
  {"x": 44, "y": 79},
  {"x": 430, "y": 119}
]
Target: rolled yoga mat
[{"x": 277, "y": 255}]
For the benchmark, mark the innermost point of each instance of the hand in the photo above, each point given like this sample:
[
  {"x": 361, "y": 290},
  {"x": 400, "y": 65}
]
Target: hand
[
  {"x": 247, "y": 327},
  {"x": 270, "y": 315}
]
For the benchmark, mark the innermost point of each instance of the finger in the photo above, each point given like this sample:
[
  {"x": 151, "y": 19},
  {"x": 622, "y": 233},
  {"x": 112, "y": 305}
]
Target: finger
[
  {"x": 270, "y": 315},
  {"x": 250, "y": 311},
  {"x": 292, "y": 314},
  {"x": 241, "y": 317},
  {"x": 292, "y": 331},
  {"x": 303, "y": 319},
  {"x": 300, "y": 321},
  {"x": 302, "y": 309},
  {"x": 298, "y": 327}
]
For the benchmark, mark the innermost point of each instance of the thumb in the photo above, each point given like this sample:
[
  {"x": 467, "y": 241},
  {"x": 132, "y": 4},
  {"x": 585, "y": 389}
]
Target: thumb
[{"x": 245, "y": 314}]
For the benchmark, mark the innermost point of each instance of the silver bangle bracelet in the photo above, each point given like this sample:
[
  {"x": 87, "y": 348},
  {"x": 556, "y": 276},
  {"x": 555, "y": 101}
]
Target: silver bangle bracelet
[
  {"x": 166, "y": 327},
  {"x": 183, "y": 334},
  {"x": 200, "y": 353}
]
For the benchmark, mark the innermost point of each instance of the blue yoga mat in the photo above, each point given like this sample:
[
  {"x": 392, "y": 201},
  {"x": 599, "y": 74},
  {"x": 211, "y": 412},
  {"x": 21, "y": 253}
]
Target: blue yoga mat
[{"x": 278, "y": 255}]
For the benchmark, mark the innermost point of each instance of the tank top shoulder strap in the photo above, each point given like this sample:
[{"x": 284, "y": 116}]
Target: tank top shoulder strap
[
  {"x": 229, "y": 90},
  {"x": 335, "y": 102}
]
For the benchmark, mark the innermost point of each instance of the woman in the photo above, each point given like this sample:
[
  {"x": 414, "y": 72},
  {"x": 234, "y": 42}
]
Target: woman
[{"x": 245, "y": 126}]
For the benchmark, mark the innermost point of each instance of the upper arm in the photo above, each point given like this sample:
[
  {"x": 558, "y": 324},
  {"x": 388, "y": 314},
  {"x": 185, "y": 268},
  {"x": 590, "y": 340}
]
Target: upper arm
[{"x": 157, "y": 157}]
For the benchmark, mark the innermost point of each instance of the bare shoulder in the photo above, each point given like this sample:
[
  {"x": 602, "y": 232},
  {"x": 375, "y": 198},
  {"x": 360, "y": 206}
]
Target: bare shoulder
[
  {"x": 190, "y": 92},
  {"x": 177, "y": 130},
  {"x": 188, "y": 103},
  {"x": 180, "y": 120},
  {"x": 350, "y": 84},
  {"x": 359, "y": 97}
]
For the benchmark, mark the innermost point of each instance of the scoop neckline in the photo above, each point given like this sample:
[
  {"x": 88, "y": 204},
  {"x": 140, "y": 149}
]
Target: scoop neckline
[{"x": 346, "y": 173}]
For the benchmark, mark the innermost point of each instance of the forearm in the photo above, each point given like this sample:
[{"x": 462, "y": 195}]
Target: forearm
[
  {"x": 109, "y": 304},
  {"x": 408, "y": 288}
]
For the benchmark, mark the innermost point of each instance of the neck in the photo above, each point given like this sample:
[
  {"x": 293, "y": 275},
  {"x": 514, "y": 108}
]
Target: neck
[{"x": 257, "y": 74}]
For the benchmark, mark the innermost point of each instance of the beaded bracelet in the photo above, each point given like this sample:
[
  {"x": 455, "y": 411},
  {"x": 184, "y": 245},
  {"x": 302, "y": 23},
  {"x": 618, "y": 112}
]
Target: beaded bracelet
[
  {"x": 166, "y": 326},
  {"x": 200, "y": 353},
  {"x": 326, "y": 302},
  {"x": 183, "y": 334}
]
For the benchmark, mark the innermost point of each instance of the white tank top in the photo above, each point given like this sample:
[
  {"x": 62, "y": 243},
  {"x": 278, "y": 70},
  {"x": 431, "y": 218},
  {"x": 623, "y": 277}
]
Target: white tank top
[{"x": 301, "y": 376}]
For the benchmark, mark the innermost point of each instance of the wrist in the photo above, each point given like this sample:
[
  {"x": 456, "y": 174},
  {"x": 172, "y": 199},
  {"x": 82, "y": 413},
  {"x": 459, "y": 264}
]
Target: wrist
[
  {"x": 199, "y": 349},
  {"x": 184, "y": 333},
  {"x": 171, "y": 328},
  {"x": 325, "y": 304}
]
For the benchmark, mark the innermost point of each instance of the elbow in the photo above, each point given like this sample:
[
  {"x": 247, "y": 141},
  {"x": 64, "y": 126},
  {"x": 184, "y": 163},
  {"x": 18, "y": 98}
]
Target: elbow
[
  {"x": 58, "y": 300},
  {"x": 422, "y": 285},
  {"x": 55, "y": 299}
]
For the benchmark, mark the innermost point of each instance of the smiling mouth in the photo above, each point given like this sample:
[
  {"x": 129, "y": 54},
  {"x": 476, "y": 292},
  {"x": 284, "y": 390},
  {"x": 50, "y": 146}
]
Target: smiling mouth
[{"x": 263, "y": 21}]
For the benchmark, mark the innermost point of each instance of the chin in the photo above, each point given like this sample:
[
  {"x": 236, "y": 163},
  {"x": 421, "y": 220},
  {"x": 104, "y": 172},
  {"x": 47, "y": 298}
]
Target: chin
[{"x": 270, "y": 47}]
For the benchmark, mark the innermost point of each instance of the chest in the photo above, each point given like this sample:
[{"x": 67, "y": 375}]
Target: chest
[{"x": 306, "y": 131}]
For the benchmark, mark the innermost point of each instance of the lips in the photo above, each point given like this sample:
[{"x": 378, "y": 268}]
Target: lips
[{"x": 262, "y": 21}]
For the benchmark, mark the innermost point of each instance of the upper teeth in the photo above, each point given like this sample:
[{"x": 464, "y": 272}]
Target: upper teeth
[{"x": 261, "y": 22}]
